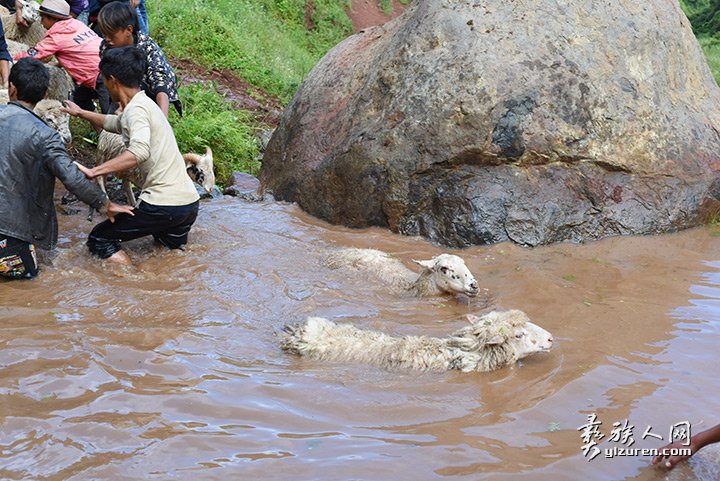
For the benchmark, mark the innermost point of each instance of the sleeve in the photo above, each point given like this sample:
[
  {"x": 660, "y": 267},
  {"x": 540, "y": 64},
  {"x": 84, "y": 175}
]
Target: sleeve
[
  {"x": 112, "y": 124},
  {"x": 137, "y": 121},
  {"x": 75, "y": 181},
  {"x": 44, "y": 49},
  {"x": 4, "y": 54},
  {"x": 160, "y": 76}
]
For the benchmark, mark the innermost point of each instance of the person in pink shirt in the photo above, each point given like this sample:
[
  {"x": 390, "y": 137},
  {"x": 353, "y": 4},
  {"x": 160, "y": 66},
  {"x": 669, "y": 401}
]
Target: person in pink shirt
[{"x": 77, "y": 49}]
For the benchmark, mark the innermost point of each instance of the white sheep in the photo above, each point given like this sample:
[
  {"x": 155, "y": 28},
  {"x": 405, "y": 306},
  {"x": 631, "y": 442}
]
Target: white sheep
[
  {"x": 442, "y": 274},
  {"x": 51, "y": 112},
  {"x": 201, "y": 169},
  {"x": 110, "y": 145},
  {"x": 30, "y": 10},
  {"x": 30, "y": 35},
  {"x": 490, "y": 342}
]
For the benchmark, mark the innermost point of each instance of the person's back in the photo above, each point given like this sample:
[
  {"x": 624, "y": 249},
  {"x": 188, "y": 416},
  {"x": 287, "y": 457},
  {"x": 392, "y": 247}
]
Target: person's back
[
  {"x": 148, "y": 134},
  {"x": 32, "y": 156}
]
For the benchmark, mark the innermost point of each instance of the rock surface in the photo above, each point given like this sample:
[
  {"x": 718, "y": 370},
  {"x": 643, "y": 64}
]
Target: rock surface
[{"x": 472, "y": 122}]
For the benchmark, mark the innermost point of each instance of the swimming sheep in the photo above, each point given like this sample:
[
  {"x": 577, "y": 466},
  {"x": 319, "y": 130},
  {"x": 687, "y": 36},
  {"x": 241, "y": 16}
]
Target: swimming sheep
[
  {"x": 490, "y": 342},
  {"x": 445, "y": 273}
]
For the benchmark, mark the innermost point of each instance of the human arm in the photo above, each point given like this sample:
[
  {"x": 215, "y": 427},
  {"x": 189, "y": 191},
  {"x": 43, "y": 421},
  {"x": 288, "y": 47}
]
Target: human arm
[
  {"x": 61, "y": 166},
  {"x": 163, "y": 102},
  {"x": 4, "y": 73},
  {"x": 18, "y": 15},
  {"x": 4, "y": 60},
  {"x": 97, "y": 120},
  {"x": 126, "y": 160},
  {"x": 159, "y": 77},
  {"x": 697, "y": 442},
  {"x": 47, "y": 47}
]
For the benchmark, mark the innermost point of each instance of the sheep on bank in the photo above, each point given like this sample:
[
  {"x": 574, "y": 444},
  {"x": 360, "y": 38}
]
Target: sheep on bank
[
  {"x": 110, "y": 145},
  {"x": 445, "y": 273},
  {"x": 29, "y": 36},
  {"x": 51, "y": 112},
  {"x": 201, "y": 169},
  {"x": 490, "y": 342}
]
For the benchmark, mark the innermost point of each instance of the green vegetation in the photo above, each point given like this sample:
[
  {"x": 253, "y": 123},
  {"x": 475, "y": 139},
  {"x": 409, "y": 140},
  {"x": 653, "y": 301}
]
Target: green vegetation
[
  {"x": 272, "y": 44},
  {"x": 704, "y": 16},
  {"x": 209, "y": 120}
]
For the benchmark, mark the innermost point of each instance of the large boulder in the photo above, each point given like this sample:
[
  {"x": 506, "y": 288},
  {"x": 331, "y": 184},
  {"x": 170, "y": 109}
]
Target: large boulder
[{"x": 471, "y": 122}]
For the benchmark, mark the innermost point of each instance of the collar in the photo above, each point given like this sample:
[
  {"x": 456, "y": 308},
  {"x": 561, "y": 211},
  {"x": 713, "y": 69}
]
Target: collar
[{"x": 25, "y": 108}]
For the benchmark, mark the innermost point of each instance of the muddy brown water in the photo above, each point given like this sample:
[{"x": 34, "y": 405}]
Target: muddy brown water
[{"x": 173, "y": 370}]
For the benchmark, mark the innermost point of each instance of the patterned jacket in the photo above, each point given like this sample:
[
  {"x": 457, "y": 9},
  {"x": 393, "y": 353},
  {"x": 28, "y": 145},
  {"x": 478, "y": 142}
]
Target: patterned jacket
[{"x": 159, "y": 76}]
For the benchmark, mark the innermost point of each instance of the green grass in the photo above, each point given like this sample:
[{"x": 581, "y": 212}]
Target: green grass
[
  {"x": 209, "y": 120},
  {"x": 711, "y": 49},
  {"x": 273, "y": 44}
]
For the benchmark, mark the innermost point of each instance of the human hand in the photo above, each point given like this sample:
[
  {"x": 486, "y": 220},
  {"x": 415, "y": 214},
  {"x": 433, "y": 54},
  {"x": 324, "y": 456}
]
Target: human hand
[
  {"x": 89, "y": 173},
  {"x": 114, "y": 209},
  {"x": 134, "y": 3},
  {"x": 19, "y": 19},
  {"x": 666, "y": 460},
  {"x": 71, "y": 108}
]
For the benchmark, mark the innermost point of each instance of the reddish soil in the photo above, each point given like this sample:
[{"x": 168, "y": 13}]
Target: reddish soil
[
  {"x": 264, "y": 107},
  {"x": 367, "y": 13}
]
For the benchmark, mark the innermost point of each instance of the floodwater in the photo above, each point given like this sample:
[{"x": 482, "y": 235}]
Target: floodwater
[{"x": 173, "y": 371}]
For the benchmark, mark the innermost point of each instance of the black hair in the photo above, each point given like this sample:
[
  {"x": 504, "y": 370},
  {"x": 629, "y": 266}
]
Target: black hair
[
  {"x": 117, "y": 16},
  {"x": 31, "y": 78},
  {"x": 126, "y": 64}
]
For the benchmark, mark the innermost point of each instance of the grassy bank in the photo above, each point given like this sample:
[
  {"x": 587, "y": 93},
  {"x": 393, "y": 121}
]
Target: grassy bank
[{"x": 272, "y": 44}]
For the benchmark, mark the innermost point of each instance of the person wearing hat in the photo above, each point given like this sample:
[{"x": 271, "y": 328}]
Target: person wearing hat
[
  {"x": 77, "y": 49},
  {"x": 78, "y": 9}
]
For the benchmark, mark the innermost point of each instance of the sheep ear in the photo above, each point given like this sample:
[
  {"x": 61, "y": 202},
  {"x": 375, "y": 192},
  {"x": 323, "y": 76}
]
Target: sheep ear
[{"x": 425, "y": 264}]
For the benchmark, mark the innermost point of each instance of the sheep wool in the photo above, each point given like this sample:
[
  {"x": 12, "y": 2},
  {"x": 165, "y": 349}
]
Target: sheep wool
[{"x": 490, "y": 342}]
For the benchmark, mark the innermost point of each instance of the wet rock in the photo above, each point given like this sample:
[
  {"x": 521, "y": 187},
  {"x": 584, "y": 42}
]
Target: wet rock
[
  {"x": 216, "y": 193},
  {"x": 480, "y": 122},
  {"x": 243, "y": 185}
]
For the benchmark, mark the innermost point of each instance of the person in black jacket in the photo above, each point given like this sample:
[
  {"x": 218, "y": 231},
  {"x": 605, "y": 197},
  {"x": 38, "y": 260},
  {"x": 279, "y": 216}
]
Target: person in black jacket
[{"x": 32, "y": 156}]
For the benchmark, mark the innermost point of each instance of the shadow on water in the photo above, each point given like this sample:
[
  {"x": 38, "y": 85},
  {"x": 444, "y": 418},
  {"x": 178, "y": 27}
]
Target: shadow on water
[{"x": 172, "y": 370}]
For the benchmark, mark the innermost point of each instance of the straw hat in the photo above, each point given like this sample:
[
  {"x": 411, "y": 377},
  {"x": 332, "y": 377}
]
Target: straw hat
[{"x": 55, "y": 8}]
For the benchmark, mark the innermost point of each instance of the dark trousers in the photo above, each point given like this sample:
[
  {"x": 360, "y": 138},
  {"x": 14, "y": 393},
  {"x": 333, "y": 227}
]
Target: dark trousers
[
  {"x": 84, "y": 96},
  {"x": 169, "y": 225},
  {"x": 17, "y": 258}
]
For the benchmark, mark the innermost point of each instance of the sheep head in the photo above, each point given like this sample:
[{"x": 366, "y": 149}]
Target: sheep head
[
  {"x": 497, "y": 339},
  {"x": 451, "y": 274},
  {"x": 30, "y": 11},
  {"x": 200, "y": 169},
  {"x": 51, "y": 112}
]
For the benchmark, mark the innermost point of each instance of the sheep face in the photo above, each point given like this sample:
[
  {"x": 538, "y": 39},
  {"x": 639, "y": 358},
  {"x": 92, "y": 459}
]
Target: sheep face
[
  {"x": 200, "y": 168},
  {"x": 510, "y": 330},
  {"x": 51, "y": 112},
  {"x": 30, "y": 10},
  {"x": 451, "y": 274}
]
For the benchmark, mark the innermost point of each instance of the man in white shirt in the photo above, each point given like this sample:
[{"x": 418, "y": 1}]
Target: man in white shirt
[{"x": 168, "y": 203}]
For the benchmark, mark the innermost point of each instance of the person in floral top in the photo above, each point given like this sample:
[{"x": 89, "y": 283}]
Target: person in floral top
[{"x": 119, "y": 25}]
